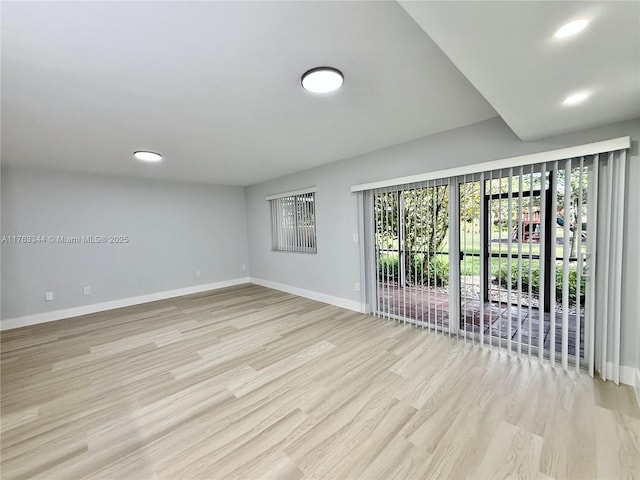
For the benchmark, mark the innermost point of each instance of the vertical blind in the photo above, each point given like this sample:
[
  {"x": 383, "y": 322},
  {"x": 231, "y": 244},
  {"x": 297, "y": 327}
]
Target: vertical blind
[
  {"x": 607, "y": 287},
  {"x": 506, "y": 258},
  {"x": 406, "y": 231},
  {"x": 293, "y": 226}
]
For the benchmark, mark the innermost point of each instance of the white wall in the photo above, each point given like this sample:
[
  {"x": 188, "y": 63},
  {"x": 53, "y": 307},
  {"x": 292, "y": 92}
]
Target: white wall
[
  {"x": 335, "y": 268},
  {"x": 174, "y": 229}
]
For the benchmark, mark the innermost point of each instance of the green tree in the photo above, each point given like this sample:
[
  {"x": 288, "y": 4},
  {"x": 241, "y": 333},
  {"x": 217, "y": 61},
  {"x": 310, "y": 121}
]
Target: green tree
[
  {"x": 426, "y": 221},
  {"x": 417, "y": 222}
]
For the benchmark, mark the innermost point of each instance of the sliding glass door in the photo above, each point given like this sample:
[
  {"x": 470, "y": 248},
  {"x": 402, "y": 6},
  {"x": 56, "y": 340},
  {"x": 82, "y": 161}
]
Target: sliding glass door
[
  {"x": 497, "y": 257},
  {"x": 523, "y": 249},
  {"x": 526, "y": 255},
  {"x": 411, "y": 253}
]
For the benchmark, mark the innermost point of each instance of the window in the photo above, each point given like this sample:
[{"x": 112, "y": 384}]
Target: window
[{"x": 293, "y": 222}]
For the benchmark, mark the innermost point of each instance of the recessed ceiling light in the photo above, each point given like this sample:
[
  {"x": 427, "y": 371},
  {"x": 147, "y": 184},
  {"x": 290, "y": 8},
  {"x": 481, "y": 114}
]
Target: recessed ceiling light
[
  {"x": 322, "y": 80},
  {"x": 571, "y": 28},
  {"x": 147, "y": 156},
  {"x": 576, "y": 98}
]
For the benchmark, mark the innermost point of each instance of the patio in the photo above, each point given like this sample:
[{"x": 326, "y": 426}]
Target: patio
[{"x": 431, "y": 306}]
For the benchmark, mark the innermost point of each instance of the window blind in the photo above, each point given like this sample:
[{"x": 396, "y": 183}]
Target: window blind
[{"x": 293, "y": 226}]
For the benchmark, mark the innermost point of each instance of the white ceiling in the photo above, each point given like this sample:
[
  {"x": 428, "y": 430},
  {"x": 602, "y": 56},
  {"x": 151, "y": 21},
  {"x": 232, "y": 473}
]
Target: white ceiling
[
  {"x": 215, "y": 87},
  {"x": 507, "y": 51}
]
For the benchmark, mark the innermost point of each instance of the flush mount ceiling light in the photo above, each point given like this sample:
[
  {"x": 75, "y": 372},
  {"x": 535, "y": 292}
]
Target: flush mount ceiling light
[
  {"x": 571, "y": 28},
  {"x": 576, "y": 98},
  {"x": 146, "y": 156},
  {"x": 322, "y": 80}
]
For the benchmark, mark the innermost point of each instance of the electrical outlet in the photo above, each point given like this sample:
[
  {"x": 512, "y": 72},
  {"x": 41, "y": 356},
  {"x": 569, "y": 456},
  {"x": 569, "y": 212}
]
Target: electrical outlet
[
  {"x": 86, "y": 290},
  {"x": 357, "y": 286},
  {"x": 48, "y": 296},
  {"x": 197, "y": 273},
  {"x": 355, "y": 238}
]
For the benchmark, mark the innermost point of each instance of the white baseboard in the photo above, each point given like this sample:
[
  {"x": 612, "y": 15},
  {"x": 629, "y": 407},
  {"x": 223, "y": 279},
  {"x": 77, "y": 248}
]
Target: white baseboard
[
  {"x": 636, "y": 386},
  {"x": 628, "y": 375},
  {"x": 11, "y": 323},
  {"x": 301, "y": 292}
]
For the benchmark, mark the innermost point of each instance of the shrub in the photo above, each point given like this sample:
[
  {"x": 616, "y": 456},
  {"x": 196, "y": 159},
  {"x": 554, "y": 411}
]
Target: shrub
[
  {"x": 388, "y": 268},
  {"x": 418, "y": 274},
  {"x": 535, "y": 279}
]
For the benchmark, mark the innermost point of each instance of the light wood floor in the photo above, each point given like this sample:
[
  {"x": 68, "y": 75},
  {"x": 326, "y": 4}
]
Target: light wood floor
[{"x": 248, "y": 382}]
